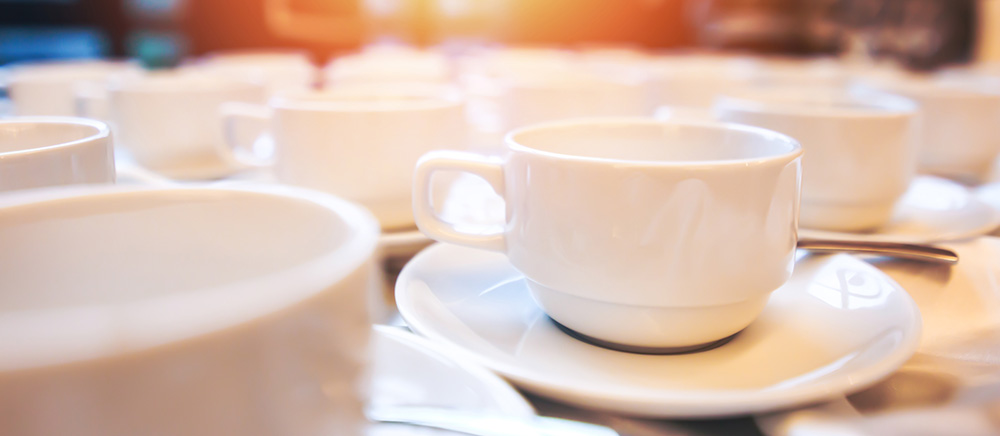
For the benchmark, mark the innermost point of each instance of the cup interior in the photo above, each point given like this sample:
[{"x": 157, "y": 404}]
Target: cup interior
[
  {"x": 128, "y": 246},
  {"x": 651, "y": 142},
  {"x": 24, "y": 135}
]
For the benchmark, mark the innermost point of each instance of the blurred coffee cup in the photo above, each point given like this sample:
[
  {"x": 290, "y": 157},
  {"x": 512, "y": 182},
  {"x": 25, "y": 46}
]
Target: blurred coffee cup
[
  {"x": 859, "y": 150},
  {"x": 957, "y": 137},
  {"x": 359, "y": 142},
  {"x": 49, "y": 88},
  {"x": 48, "y": 151},
  {"x": 169, "y": 122},
  {"x": 278, "y": 71}
]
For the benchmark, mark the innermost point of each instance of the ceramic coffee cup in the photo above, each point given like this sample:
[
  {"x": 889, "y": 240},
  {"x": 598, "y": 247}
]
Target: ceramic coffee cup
[
  {"x": 47, "y": 151},
  {"x": 957, "y": 137},
  {"x": 359, "y": 143},
  {"x": 278, "y": 71},
  {"x": 860, "y": 150},
  {"x": 661, "y": 236},
  {"x": 548, "y": 94},
  {"x": 49, "y": 88},
  {"x": 183, "y": 311},
  {"x": 170, "y": 122}
]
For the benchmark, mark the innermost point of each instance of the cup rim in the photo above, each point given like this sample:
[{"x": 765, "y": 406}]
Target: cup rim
[
  {"x": 103, "y": 131},
  {"x": 804, "y": 104},
  {"x": 795, "y": 149},
  {"x": 94, "y": 338}
]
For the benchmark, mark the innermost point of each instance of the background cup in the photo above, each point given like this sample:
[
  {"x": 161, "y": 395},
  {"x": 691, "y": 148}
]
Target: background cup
[
  {"x": 195, "y": 311},
  {"x": 169, "y": 122},
  {"x": 48, "y": 151},
  {"x": 860, "y": 151},
  {"x": 278, "y": 71},
  {"x": 357, "y": 142},
  {"x": 638, "y": 232},
  {"x": 957, "y": 135},
  {"x": 49, "y": 88}
]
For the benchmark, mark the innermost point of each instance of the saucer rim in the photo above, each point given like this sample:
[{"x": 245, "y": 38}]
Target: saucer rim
[
  {"x": 878, "y": 236},
  {"x": 507, "y": 398},
  {"x": 668, "y": 403}
]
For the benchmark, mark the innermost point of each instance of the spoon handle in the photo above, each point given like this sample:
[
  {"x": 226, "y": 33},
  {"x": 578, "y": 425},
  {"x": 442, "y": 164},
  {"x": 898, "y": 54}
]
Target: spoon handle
[{"x": 925, "y": 253}]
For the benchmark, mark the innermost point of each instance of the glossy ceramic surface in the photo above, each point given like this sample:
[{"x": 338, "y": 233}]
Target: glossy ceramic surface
[
  {"x": 249, "y": 314},
  {"x": 621, "y": 223},
  {"x": 169, "y": 122},
  {"x": 49, "y": 151},
  {"x": 931, "y": 210},
  {"x": 838, "y": 326},
  {"x": 859, "y": 151},
  {"x": 362, "y": 146},
  {"x": 408, "y": 370}
]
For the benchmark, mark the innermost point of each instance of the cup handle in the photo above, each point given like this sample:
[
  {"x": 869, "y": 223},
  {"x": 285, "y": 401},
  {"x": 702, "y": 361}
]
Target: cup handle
[
  {"x": 487, "y": 167},
  {"x": 245, "y": 125}
]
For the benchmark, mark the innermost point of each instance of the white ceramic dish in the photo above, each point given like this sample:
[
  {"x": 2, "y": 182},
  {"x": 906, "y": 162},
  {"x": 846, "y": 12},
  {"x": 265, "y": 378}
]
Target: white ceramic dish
[
  {"x": 838, "y": 326},
  {"x": 932, "y": 210},
  {"x": 955, "y": 366},
  {"x": 412, "y": 371}
]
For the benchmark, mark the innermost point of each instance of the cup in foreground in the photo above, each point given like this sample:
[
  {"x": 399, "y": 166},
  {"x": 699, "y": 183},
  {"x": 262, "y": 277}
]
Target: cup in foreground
[
  {"x": 48, "y": 151},
  {"x": 636, "y": 232},
  {"x": 195, "y": 310},
  {"x": 860, "y": 150},
  {"x": 359, "y": 142}
]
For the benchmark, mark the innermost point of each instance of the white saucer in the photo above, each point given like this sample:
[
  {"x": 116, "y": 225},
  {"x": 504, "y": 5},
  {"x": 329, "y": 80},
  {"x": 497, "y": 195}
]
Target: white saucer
[
  {"x": 412, "y": 371},
  {"x": 932, "y": 210},
  {"x": 838, "y": 326}
]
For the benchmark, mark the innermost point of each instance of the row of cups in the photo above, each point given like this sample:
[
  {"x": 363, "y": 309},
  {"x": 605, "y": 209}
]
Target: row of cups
[
  {"x": 216, "y": 310},
  {"x": 361, "y": 138}
]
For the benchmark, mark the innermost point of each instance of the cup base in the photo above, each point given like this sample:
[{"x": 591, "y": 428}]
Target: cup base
[
  {"x": 656, "y": 329},
  {"x": 635, "y": 349},
  {"x": 841, "y": 217}
]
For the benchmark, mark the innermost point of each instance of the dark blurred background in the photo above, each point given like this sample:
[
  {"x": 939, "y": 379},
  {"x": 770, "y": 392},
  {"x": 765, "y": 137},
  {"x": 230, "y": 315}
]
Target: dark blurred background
[{"x": 922, "y": 34}]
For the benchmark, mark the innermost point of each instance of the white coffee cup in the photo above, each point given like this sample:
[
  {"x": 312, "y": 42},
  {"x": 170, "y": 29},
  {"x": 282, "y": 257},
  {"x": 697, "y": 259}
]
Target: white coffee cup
[
  {"x": 49, "y": 88},
  {"x": 357, "y": 142},
  {"x": 637, "y": 232},
  {"x": 549, "y": 94},
  {"x": 170, "y": 122},
  {"x": 278, "y": 71},
  {"x": 48, "y": 151},
  {"x": 184, "y": 311},
  {"x": 860, "y": 150},
  {"x": 957, "y": 123},
  {"x": 695, "y": 80}
]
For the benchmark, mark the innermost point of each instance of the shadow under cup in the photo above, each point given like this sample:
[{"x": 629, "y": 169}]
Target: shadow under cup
[{"x": 648, "y": 236}]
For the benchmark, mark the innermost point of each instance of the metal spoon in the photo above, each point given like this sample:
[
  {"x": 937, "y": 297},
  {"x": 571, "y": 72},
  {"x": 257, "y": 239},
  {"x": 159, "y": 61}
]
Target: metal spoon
[
  {"x": 484, "y": 423},
  {"x": 924, "y": 253}
]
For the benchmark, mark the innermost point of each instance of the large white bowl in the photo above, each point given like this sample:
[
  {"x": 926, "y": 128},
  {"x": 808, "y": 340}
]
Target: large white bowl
[{"x": 183, "y": 311}]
